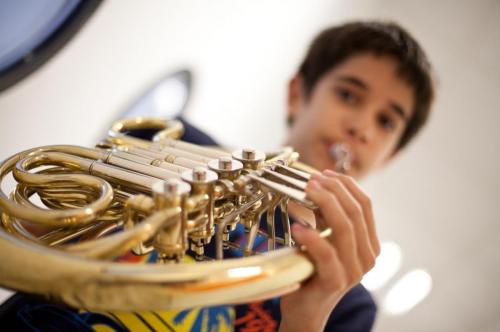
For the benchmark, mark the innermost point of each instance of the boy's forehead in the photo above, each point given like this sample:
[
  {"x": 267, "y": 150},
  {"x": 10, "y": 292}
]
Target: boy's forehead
[
  {"x": 368, "y": 64},
  {"x": 376, "y": 74}
]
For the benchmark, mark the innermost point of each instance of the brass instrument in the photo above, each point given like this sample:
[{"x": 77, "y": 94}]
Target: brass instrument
[{"x": 74, "y": 210}]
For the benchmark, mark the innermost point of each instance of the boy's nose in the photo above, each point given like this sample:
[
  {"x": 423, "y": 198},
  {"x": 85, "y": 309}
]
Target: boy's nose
[{"x": 358, "y": 133}]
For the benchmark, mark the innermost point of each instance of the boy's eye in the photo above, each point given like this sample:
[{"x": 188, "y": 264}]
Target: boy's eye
[
  {"x": 346, "y": 95},
  {"x": 386, "y": 122}
]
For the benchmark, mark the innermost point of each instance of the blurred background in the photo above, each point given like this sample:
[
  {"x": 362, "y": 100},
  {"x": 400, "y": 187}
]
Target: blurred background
[{"x": 437, "y": 205}]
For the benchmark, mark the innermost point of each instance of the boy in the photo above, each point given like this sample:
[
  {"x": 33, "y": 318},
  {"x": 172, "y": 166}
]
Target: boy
[{"x": 367, "y": 87}]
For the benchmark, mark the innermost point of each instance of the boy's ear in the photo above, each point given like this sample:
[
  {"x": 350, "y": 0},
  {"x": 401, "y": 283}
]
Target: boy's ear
[{"x": 295, "y": 97}]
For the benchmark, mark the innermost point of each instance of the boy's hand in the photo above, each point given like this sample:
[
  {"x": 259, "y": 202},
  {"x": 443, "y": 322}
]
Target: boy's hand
[{"x": 341, "y": 260}]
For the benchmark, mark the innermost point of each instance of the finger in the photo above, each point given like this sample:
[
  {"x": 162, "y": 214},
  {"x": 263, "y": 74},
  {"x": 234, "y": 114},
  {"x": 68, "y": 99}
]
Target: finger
[
  {"x": 331, "y": 215},
  {"x": 329, "y": 270},
  {"x": 365, "y": 203},
  {"x": 355, "y": 213}
]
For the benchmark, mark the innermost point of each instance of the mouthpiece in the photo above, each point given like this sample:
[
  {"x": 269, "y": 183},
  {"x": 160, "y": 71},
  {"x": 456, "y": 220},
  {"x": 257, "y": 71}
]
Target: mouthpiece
[{"x": 342, "y": 155}]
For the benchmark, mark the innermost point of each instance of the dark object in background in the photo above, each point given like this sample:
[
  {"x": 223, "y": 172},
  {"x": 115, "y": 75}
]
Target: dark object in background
[
  {"x": 32, "y": 31},
  {"x": 167, "y": 98}
]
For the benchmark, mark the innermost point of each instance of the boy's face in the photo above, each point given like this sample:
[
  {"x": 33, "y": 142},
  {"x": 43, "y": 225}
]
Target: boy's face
[{"x": 362, "y": 103}]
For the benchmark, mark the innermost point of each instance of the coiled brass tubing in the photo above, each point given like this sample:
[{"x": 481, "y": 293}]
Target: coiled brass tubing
[{"x": 74, "y": 210}]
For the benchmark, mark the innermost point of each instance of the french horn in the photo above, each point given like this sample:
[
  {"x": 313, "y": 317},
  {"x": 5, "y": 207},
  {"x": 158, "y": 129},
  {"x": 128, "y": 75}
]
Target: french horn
[{"x": 74, "y": 210}]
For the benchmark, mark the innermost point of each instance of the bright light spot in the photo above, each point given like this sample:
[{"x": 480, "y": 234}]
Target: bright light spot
[
  {"x": 169, "y": 97},
  {"x": 248, "y": 271},
  {"x": 5, "y": 294},
  {"x": 412, "y": 288},
  {"x": 388, "y": 263}
]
